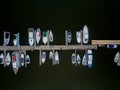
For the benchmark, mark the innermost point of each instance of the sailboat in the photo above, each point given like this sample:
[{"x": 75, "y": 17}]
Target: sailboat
[
  {"x": 1, "y": 58},
  {"x": 38, "y": 35},
  {"x": 31, "y": 36},
  {"x": 73, "y": 58},
  {"x": 8, "y": 59},
  {"x": 117, "y": 57},
  {"x": 45, "y": 37},
  {"x": 85, "y": 34},
  {"x": 78, "y": 36},
  {"x": 50, "y": 36},
  {"x": 6, "y": 38},
  {"x": 15, "y": 61},
  {"x": 43, "y": 57},
  {"x": 78, "y": 59},
  {"x": 90, "y": 58},
  {"x": 69, "y": 36},
  {"x": 56, "y": 58}
]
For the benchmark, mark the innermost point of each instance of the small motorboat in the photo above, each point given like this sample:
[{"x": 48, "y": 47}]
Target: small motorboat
[
  {"x": 15, "y": 61},
  {"x": 112, "y": 46},
  {"x": 90, "y": 58},
  {"x": 7, "y": 59},
  {"x": 117, "y": 57},
  {"x": 50, "y": 36},
  {"x": 69, "y": 36},
  {"x": 6, "y": 38},
  {"x": 31, "y": 36},
  {"x": 78, "y": 36},
  {"x": 43, "y": 57},
  {"x": 16, "y": 39},
  {"x": 84, "y": 60},
  {"x": 51, "y": 55},
  {"x": 38, "y": 35},
  {"x": 73, "y": 58},
  {"x": 27, "y": 60},
  {"x": 78, "y": 59},
  {"x": 45, "y": 37},
  {"x": 56, "y": 58},
  {"x": 22, "y": 59},
  {"x": 1, "y": 58},
  {"x": 85, "y": 34}
]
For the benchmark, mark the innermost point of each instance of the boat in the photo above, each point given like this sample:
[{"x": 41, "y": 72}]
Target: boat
[
  {"x": 90, "y": 58},
  {"x": 117, "y": 57},
  {"x": 38, "y": 35},
  {"x": 7, "y": 59},
  {"x": 16, "y": 39},
  {"x": 112, "y": 46},
  {"x": 44, "y": 37},
  {"x": 22, "y": 59},
  {"x": 15, "y": 61},
  {"x": 31, "y": 36},
  {"x": 78, "y": 59},
  {"x": 78, "y": 36},
  {"x": 56, "y": 58},
  {"x": 1, "y": 58},
  {"x": 43, "y": 57},
  {"x": 84, "y": 60},
  {"x": 51, "y": 55},
  {"x": 69, "y": 36},
  {"x": 73, "y": 58},
  {"x": 6, "y": 38},
  {"x": 27, "y": 60},
  {"x": 50, "y": 36},
  {"x": 85, "y": 34}
]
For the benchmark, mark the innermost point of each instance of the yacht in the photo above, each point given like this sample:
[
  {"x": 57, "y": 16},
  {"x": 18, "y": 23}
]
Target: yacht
[
  {"x": 78, "y": 59},
  {"x": 50, "y": 36},
  {"x": 78, "y": 36},
  {"x": 6, "y": 38},
  {"x": 69, "y": 36},
  {"x": 38, "y": 35},
  {"x": 90, "y": 58},
  {"x": 43, "y": 57},
  {"x": 27, "y": 60},
  {"x": 7, "y": 59},
  {"x": 22, "y": 59},
  {"x": 31, "y": 36},
  {"x": 73, "y": 58},
  {"x": 1, "y": 58},
  {"x": 56, "y": 58},
  {"x": 45, "y": 37}
]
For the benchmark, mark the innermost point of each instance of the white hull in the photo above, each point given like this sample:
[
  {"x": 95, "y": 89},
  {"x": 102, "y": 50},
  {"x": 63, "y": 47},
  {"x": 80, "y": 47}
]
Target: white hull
[
  {"x": 85, "y": 34},
  {"x": 1, "y": 58},
  {"x": 43, "y": 57},
  {"x": 78, "y": 36},
  {"x": 45, "y": 37},
  {"x": 31, "y": 36},
  {"x": 50, "y": 36},
  {"x": 45, "y": 40},
  {"x": 38, "y": 35},
  {"x": 84, "y": 60},
  {"x": 14, "y": 42},
  {"x": 56, "y": 58},
  {"x": 73, "y": 58},
  {"x": 7, "y": 59},
  {"x": 51, "y": 55},
  {"x": 27, "y": 60},
  {"x": 69, "y": 37},
  {"x": 31, "y": 42},
  {"x": 117, "y": 57},
  {"x": 78, "y": 59},
  {"x": 22, "y": 58},
  {"x": 90, "y": 58}
]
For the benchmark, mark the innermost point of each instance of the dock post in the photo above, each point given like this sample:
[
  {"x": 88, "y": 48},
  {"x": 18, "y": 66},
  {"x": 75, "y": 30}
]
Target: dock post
[
  {"x": 40, "y": 57},
  {"x": 66, "y": 42},
  {"x": 4, "y": 58}
]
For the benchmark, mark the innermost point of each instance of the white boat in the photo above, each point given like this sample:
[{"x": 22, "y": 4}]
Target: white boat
[
  {"x": 85, "y": 34},
  {"x": 6, "y": 38},
  {"x": 31, "y": 36},
  {"x": 22, "y": 59},
  {"x": 38, "y": 35},
  {"x": 7, "y": 59},
  {"x": 45, "y": 37},
  {"x": 51, "y": 55},
  {"x": 69, "y": 36},
  {"x": 15, "y": 61},
  {"x": 56, "y": 58},
  {"x": 78, "y": 36},
  {"x": 112, "y": 46},
  {"x": 1, "y": 58},
  {"x": 27, "y": 60},
  {"x": 73, "y": 58},
  {"x": 117, "y": 57},
  {"x": 43, "y": 57},
  {"x": 84, "y": 60},
  {"x": 90, "y": 58},
  {"x": 50, "y": 36},
  {"x": 16, "y": 39},
  {"x": 78, "y": 59}
]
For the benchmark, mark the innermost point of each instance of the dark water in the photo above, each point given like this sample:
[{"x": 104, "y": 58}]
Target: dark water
[{"x": 102, "y": 20}]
